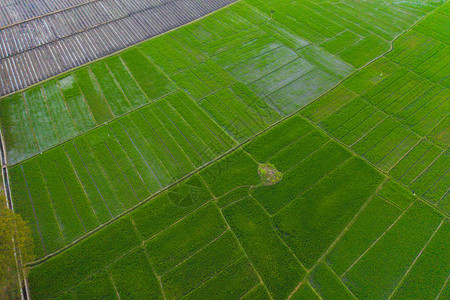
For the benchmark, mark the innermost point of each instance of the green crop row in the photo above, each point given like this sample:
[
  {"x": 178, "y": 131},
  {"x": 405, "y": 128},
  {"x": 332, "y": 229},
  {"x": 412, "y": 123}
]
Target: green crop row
[
  {"x": 234, "y": 170},
  {"x": 369, "y": 76},
  {"x": 133, "y": 277},
  {"x": 434, "y": 260},
  {"x": 396, "y": 251},
  {"x": 338, "y": 122},
  {"x": 126, "y": 83},
  {"x": 397, "y": 194},
  {"x": 172, "y": 246},
  {"x": 139, "y": 66},
  {"x": 328, "y": 104},
  {"x": 433, "y": 182},
  {"x": 310, "y": 223},
  {"x": 200, "y": 269},
  {"x": 370, "y": 224},
  {"x": 340, "y": 42},
  {"x": 99, "y": 175},
  {"x": 266, "y": 145},
  {"x": 430, "y": 114},
  {"x": 147, "y": 218},
  {"x": 234, "y": 281},
  {"x": 435, "y": 26},
  {"x": 417, "y": 160},
  {"x": 297, "y": 151},
  {"x": 20, "y": 142},
  {"x": 305, "y": 292},
  {"x": 327, "y": 284},
  {"x": 203, "y": 80},
  {"x": 240, "y": 112},
  {"x": 301, "y": 177},
  {"x": 93, "y": 96},
  {"x": 116, "y": 100},
  {"x": 276, "y": 265},
  {"x": 234, "y": 195},
  {"x": 62, "y": 119},
  {"x": 73, "y": 265},
  {"x": 440, "y": 134},
  {"x": 75, "y": 103},
  {"x": 40, "y": 119}
]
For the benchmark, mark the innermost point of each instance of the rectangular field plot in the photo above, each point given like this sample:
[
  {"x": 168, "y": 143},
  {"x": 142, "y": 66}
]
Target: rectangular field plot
[
  {"x": 239, "y": 111},
  {"x": 277, "y": 266},
  {"x": 364, "y": 51},
  {"x": 433, "y": 260},
  {"x": 20, "y": 142},
  {"x": 73, "y": 266},
  {"x": 370, "y": 224},
  {"x": 60, "y": 109},
  {"x": 185, "y": 238},
  {"x": 287, "y": 80},
  {"x": 370, "y": 75},
  {"x": 340, "y": 42},
  {"x": 425, "y": 170},
  {"x": 423, "y": 54},
  {"x": 203, "y": 80},
  {"x": 311, "y": 222},
  {"x": 327, "y": 284},
  {"x": 97, "y": 176},
  {"x": 397, "y": 249},
  {"x": 208, "y": 264}
]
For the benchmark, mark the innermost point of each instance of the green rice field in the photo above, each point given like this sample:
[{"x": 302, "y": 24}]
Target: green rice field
[{"x": 149, "y": 174}]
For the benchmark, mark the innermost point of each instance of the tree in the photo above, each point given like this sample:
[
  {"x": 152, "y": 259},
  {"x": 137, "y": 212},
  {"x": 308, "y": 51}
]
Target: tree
[{"x": 15, "y": 235}]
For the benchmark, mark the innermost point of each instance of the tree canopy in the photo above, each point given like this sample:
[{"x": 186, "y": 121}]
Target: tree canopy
[{"x": 15, "y": 235}]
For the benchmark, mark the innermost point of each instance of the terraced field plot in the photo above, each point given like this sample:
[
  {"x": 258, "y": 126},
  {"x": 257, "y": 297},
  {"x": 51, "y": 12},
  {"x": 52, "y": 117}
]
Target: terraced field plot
[{"x": 141, "y": 175}]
